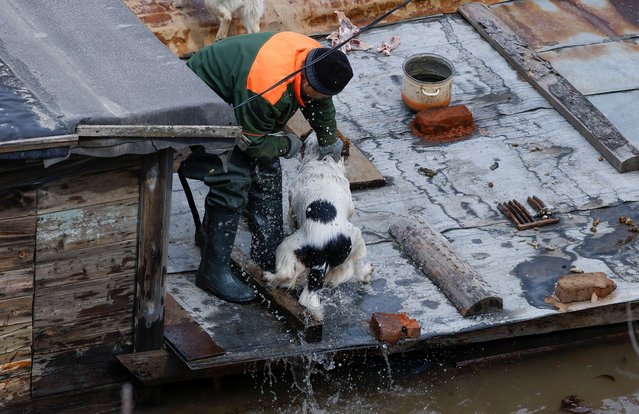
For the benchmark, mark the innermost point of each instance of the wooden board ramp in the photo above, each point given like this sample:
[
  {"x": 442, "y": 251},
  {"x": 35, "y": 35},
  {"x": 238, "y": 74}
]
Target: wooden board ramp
[
  {"x": 279, "y": 301},
  {"x": 436, "y": 258},
  {"x": 562, "y": 95},
  {"x": 360, "y": 171}
]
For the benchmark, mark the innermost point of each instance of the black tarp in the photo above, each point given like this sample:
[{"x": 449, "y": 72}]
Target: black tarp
[{"x": 70, "y": 62}]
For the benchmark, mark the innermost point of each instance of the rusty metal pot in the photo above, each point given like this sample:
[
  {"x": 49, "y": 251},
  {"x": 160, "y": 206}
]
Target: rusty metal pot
[{"x": 427, "y": 82}]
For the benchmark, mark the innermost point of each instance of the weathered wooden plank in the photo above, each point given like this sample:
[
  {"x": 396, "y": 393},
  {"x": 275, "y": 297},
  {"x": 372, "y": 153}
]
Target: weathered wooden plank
[
  {"x": 86, "y": 264},
  {"x": 185, "y": 335},
  {"x": 360, "y": 171},
  {"x": 29, "y": 175},
  {"x": 96, "y": 225},
  {"x": 77, "y": 369},
  {"x": 14, "y": 388},
  {"x": 15, "y": 311},
  {"x": 17, "y": 256},
  {"x": 114, "y": 328},
  {"x": 567, "y": 100},
  {"x": 17, "y": 282},
  {"x": 96, "y": 400},
  {"x": 15, "y": 360},
  {"x": 279, "y": 301},
  {"x": 85, "y": 190},
  {"x": 39, "y": 143},
  {"x": 17, "y": 230},
  {"x": 436, "y": 258},
  {"x": 159, "y": 131},
  {"x": 84, "y": 300},
  {"x": 17, "y": 202},
  {"x": 155, "y": 210},
  {"x": 15, "y": 337}
]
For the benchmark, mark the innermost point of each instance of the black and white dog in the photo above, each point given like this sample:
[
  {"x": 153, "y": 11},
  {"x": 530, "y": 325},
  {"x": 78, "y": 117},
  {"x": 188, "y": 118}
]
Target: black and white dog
[{"x": 325, "y": 248}]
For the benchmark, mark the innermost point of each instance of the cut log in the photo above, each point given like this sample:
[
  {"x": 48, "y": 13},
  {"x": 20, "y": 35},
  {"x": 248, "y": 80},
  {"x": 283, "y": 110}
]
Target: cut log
[{"x": 436, "y": 258}]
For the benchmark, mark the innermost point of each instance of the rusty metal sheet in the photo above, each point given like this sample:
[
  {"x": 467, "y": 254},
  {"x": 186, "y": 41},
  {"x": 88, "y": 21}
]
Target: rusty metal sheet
[
  {"x": 621, "y": 109},
  {"x": 547, "y": 24},
  {"x": 192, "y": 27},
  {"x": 598, "y": 68},
  {"x": 185, "y": 336}
]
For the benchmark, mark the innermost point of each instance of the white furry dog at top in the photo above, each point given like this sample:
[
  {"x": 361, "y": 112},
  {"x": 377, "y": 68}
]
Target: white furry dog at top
[
  {"x": 251, "y": 12},
  {"x": 325, "y": 248}
]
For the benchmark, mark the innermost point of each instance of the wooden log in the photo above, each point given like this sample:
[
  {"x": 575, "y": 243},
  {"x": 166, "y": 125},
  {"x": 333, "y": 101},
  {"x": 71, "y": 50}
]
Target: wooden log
[
  {"x": 436, "y": 258},
  {"x": 567, "y": 100},
  {"x": 279, "y": 301},
  {"x": 156, "y": 183}
]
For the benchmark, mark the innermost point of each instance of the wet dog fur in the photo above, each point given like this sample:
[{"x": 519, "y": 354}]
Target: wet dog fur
[{"x": 325, "y": 248}]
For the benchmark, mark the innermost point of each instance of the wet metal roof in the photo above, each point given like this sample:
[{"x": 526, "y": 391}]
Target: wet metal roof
[
  {"x": 522, "y": 146},
  {"x": 594, "y": 44}
]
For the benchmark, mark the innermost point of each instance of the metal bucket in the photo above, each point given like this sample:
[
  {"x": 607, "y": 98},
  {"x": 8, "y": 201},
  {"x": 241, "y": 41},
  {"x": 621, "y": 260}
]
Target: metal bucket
[{"x": 427, "y": 82}]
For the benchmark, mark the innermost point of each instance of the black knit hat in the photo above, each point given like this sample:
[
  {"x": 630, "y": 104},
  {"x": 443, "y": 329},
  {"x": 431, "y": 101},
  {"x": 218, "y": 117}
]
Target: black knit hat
[{"x": 329, "y": 75}]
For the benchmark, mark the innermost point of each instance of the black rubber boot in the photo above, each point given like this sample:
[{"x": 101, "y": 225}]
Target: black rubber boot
[
  {"x": 264, "y": 214},
  {"x": 214, "y": 274}
]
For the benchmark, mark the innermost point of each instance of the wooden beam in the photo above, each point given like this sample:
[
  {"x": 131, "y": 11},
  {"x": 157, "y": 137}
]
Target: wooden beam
[
  {"x": 280, "y": 301},
  {"x": 153, "y": 240},
  {"x": 158, "y": 131},
  {"x": 567, "y": 100},
  {"x": 30, "y": 144},
  {"x": 436, "y": 258}
]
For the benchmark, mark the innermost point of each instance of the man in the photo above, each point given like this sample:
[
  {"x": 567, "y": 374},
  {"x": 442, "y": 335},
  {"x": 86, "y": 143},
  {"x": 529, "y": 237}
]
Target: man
[{"x": 238, "y": 68}]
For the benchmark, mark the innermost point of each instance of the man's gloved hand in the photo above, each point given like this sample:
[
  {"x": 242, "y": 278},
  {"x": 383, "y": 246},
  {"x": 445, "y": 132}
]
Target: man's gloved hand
[
  {"x": 334, "y": 150},
  {"x": 294, "y": 145}
]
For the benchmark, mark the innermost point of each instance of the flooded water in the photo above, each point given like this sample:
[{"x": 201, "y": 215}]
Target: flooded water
[{"x": 603, "y": 378}]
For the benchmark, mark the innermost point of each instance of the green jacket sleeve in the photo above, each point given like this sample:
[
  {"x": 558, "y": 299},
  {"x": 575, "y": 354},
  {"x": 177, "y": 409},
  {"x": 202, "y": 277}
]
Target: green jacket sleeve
[
  {"x": 320, "y": 114},
  {"x": 258, "y": 120}
]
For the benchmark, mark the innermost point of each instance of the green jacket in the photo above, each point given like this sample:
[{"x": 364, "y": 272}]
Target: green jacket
[{"x": 239, "y": 67}]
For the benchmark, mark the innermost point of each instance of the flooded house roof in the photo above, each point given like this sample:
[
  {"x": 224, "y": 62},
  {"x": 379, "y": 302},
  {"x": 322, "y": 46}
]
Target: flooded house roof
[
  {"x": 522, "y": 146},
  {"x": 67, "y": 63}
]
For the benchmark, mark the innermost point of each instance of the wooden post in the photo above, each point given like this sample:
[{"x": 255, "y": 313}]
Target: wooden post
[
  {"x": 436, "y": 258},
  {"x": 153, "y": 238}
]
